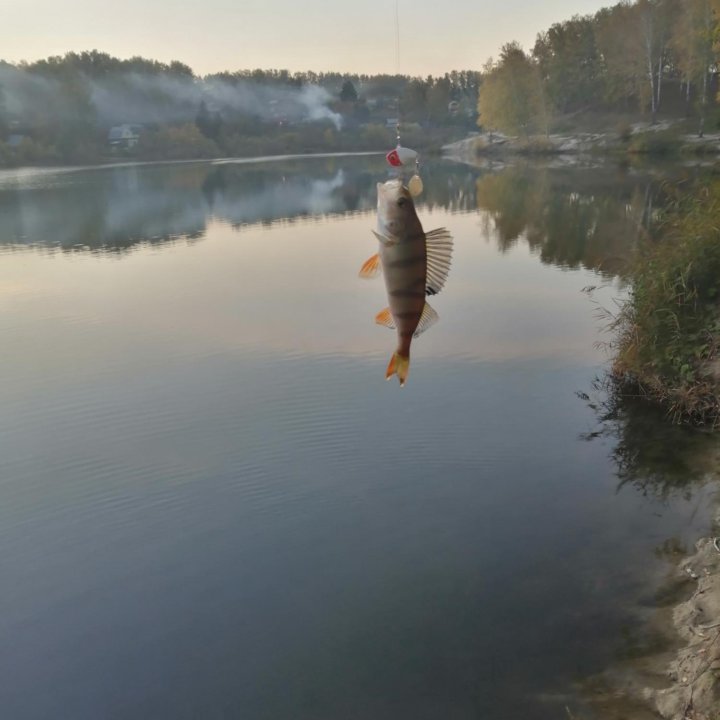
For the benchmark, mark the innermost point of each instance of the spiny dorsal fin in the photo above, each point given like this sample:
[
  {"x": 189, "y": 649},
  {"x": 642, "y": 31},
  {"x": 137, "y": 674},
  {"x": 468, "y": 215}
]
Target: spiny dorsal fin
[
  {"x": 439, "y": 247},
  {"x": 385, "y": 318},
  {"x": 428, "y": 318},
  {"x": 371, "y": 267}
]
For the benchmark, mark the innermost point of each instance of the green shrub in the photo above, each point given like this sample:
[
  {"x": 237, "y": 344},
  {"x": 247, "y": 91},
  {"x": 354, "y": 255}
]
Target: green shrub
[
  {"x": 651, "y": 142},
  {"x": 668, "y": 331},
  {"x": 624, "y": 131},
  {"x": 176, "y": 142}
]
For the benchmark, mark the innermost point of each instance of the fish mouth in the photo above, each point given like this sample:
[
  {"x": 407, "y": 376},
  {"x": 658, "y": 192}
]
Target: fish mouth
[{"x": 388, "y": 187}]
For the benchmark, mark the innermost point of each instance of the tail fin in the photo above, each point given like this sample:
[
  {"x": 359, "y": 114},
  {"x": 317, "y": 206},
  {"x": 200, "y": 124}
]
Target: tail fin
[{"x": 399, "y": 365}]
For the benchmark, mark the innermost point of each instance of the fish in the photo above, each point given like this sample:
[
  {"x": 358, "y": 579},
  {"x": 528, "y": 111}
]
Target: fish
[{"x": 414, "y": 264}]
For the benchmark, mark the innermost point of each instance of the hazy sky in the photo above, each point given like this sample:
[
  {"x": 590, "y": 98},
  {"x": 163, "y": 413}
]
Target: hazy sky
[{"x": 214, "y": 35}]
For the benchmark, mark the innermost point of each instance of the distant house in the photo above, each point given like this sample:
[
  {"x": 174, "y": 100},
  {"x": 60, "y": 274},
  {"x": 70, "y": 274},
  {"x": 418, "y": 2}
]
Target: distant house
[
  {"x": 15, "y": 140},
  {"x": 122, "y": 137}
]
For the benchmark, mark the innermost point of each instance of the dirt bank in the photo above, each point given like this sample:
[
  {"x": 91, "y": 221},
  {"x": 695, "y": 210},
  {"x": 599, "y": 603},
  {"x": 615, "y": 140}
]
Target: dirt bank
[
  {"x": 694, "y": 693},
  {"x": 678, "y": 676}
]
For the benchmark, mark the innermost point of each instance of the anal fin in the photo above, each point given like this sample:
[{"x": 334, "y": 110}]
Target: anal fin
[{"x": 428, "y": 318}]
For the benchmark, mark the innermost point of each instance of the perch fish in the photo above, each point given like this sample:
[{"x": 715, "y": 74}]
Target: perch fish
[{"x": 414, "y": 263}]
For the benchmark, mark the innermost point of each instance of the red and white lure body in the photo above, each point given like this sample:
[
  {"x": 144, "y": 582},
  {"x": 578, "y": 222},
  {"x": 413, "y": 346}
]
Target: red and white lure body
[{"x": 403, "y": 157}]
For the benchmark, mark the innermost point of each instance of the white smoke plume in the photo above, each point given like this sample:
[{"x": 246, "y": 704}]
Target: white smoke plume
[{"x": 140, "y": 98}]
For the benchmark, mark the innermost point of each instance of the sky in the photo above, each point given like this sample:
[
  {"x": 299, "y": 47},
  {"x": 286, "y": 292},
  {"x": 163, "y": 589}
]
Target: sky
[{"x": 215, "y": 35}]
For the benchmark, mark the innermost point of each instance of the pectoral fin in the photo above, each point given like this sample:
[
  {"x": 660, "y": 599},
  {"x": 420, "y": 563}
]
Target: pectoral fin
[
  {"x": 371, "y": 267},
  {"x": 385, "y": 318},
  {"x": 386, "y": 241}
]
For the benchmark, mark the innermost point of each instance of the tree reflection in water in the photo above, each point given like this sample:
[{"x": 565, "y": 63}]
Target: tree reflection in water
[
  {"x": 571, "y": 217},
  {"x": 650, "y": 453}
]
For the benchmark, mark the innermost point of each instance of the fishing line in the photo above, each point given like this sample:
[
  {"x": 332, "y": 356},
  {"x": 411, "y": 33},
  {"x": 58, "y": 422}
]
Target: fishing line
[
  {"x": 402, "y": 156},
  {"x": 397, "y": 67},
  {"x": 397, "y": 37}
]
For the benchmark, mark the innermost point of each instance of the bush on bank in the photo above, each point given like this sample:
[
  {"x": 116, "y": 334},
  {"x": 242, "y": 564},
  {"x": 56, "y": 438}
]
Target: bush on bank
[{"x": 667, "y": 333}]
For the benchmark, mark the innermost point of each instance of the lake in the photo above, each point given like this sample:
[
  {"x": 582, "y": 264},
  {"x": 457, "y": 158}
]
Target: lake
[{"x": 212, "y": 505}]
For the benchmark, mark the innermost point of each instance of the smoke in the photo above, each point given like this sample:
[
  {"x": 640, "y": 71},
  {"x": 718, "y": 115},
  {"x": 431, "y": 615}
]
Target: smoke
[
  {"x": 22, "y": 94},
  {"x": 315, "y": 100},
  {"x": 139, "y": 98}
]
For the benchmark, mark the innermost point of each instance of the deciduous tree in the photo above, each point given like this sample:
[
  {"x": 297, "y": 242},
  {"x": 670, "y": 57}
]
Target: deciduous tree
[{"x": 511, "y": 97}]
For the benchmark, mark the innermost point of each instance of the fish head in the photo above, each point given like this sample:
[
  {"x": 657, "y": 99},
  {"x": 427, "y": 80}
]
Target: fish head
[{"x": 396, "y": 210}]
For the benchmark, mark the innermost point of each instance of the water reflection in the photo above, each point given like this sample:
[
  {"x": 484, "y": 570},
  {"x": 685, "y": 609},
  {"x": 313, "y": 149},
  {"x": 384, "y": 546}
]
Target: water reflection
[
  {"x": 570, "y": 217},
  {"x": 666, "y": 465},
  {"x": 308, "y": 559},
  {"x": 652, "y": 455}
]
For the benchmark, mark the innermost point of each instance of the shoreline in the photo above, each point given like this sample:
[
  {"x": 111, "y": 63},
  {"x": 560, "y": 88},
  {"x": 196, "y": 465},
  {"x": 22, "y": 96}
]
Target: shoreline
[
  {"x": 102, "y": 165},
  {"x": 695, "y": 670},
  {"x": 679, "y": 679},
  {"x": 652, "y": 141}
]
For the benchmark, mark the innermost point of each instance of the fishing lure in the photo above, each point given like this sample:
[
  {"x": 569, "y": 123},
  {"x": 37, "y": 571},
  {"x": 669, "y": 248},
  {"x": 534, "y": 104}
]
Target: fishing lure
[{"x": 402, "y": 157}]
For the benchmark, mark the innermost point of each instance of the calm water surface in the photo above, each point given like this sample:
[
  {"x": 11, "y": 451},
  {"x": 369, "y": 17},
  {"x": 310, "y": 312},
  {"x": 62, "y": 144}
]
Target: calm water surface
[{"x": 213, "y": 506}]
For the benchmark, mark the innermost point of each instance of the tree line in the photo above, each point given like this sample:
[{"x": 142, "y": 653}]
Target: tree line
[
  {"x": 658, "y": 57},
  {"x": 60, "y": 109},
  {"x": 648, "y": 56}
]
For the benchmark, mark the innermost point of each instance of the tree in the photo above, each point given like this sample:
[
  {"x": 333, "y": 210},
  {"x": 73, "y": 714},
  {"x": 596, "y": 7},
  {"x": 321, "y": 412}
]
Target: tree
[
  {"x": 438, "y": 97},
  {"x": 621, "y": 62},
  {"x": 511, "y": 97},
  {"x": 3, "y": 115},
  {"x": 653, "y": 19},
  {"x": 413, "y": 101},
  {"x": 348, "y": 93},
  {"x": 692, "y": 45},
  {"x": 209, "y": 122},
  {"x": 570, "y": 63}
]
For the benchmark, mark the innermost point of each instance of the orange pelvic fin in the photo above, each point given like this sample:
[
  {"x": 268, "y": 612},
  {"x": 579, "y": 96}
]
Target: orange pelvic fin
[
  {"x": 400, "y": 366},
  {"x": 384, "y": 317},
  {"x": 371, "y": 267}
]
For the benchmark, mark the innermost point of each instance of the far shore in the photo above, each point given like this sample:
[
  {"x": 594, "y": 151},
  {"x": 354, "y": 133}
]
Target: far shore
[
  {"x": 664, "y": 139},
  {"x": 113, "y": 163}
]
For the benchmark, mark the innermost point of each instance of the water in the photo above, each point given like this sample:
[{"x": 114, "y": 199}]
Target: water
[{"x": 211, "y": 503}]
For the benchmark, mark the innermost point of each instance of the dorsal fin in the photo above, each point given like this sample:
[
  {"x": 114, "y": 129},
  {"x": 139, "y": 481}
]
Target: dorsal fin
[
  {"x": 439, "y": 247},
  {"x": 428, "y": 318},
  {"x": 385, "y": 318}
]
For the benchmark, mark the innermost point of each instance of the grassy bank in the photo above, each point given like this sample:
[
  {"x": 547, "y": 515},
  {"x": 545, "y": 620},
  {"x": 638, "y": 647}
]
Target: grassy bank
[{"x": 667, "y": 334}]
